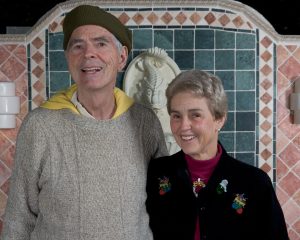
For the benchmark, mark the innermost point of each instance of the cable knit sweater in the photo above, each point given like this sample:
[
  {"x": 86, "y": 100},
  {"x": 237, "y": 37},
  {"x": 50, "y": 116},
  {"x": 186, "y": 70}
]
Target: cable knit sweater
[{"x": 77, "y": 178}]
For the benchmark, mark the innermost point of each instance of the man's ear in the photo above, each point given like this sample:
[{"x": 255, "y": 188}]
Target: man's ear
[{"x": 123, "y": 58}]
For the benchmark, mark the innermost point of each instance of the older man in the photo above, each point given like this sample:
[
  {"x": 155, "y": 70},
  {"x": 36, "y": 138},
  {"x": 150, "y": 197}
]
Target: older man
[{"x": 81, "y": 158}]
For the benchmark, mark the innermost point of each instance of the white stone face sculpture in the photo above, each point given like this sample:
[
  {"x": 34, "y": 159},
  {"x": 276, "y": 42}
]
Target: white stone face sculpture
[{"x": 146, "y": 80}]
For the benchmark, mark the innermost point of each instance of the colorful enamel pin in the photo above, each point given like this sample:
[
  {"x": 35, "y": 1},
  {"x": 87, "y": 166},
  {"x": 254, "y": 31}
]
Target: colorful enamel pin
[
  {"x": 222, "y": 187},
  {"x": 164, "y": 185},
  {"x": 197, "y": 185},
  {"x": 239, "y": 203}
]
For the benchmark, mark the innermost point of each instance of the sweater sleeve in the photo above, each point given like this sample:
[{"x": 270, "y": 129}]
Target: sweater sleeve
[{"x": 22, "y": 204}]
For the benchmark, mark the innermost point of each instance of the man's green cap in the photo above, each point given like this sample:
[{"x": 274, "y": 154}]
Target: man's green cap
[{"x": 92, "y": 15}]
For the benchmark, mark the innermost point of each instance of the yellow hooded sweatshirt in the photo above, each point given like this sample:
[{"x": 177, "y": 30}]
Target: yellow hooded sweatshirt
[{"x": 63, "y": 100}]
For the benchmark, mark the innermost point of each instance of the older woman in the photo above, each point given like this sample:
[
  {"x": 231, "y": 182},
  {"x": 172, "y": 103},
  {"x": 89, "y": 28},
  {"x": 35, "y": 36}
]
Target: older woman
[{"x": 201, "y": 192}]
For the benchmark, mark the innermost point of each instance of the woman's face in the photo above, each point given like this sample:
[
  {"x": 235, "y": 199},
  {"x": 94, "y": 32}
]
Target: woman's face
[{"x": 193, "y": 126}]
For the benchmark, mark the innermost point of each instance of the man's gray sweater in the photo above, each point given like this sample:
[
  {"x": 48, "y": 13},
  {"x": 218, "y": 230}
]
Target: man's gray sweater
[{"x": 77, "y": 178}]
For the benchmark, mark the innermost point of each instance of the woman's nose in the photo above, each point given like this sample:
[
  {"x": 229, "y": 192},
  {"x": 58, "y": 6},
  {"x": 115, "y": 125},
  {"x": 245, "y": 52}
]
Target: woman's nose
[{"x": 185, "y": 123}]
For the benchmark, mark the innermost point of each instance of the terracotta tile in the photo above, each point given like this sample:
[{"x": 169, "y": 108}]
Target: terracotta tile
[
  {"x": 282, "y": 83},
  {"x": 266, "y": 84},
  {"x": 8, "y": 156},
  {"x": 281, "y": 169},
  {"x": 266, "y": 70},
  {"x": 266, "y": 56},
  {"x": 124, "y": 18},
  {"x": 138, "y": 18},
  {"x": 265, "y": 154},
  {"x": 296, "y": 54},
  {"x": 266, "y": 112},
  {"x": 266, "y": 140},
  {"x": 5, "y": 173},
  {"x": 290, "y": 155},
  {"x": 281, "y": 141},
  {"x": 38, "y": 86},
  {"x": 296, "y": 198},
  {"x": 166, "y": 18},
  {"x": 288, "y": 129},
  {"x": 266, "y": 42},
  {"x": 37, "y": 43},
  {"x": 5, "y": 187},
  {"x": 291, "y": 48},
  {"x": 152, "y": 18},
  {"x": 37, "y": 57},
  {"x": 181, "y": 18},
  {"x": 293, "y": 235},
  {"x": 4, "y": 54},
  {"x": 296, "y": 169},
  {"x": 290, "y": 183},
  {"x": 266, "y": 125},
  {"x": 282, "y": 196},
  {"x": 11, "y": 47},
  {"x": 53, "y": 26},
  {"x": 291, "y": 68},
  {"x": 224, "y": 20},
  {"x": 266, "y": 167},
  {"x": 238, "y": 22},
  {"x": 38, "y": 71},
  {"x": 210, "y": 18},
  {"x": 195, "y": 18},
  {"x": 266, "y": 98},
  {"x": 3, "y": 200},
  {"x": 20, "y": 53},
  {"x": 284, "y": 98},
  {"x": 282, "y": 54},
  {"x": 291, "y": 211},
  {"x": 12, "y": 68}
]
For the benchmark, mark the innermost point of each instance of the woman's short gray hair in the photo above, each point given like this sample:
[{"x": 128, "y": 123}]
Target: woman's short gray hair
[{"x": 200, "y": 84}]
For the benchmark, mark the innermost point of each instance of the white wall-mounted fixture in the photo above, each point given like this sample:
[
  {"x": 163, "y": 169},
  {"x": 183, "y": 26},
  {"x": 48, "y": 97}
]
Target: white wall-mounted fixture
[
  {"x": 295, "y": 102},
  {"x": 9, "y": 105}
]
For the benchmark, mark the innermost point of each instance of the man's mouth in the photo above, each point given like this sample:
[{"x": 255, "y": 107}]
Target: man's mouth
[{"x": 91, "y": 69}]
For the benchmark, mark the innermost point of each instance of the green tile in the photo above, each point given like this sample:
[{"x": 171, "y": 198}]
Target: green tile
[
  {"x": 246, "y": 101},
  {"x": 227, "y": 78},
  {"x": 59, "y": 81},
  {"x": 55, "y": 41},
  {"x": 245, "y": 60},
  {"x": 245, "y": 121},
  {"x": 229, "y": 124},
  {"x": 204, "y": 59},
  {"x": 142, "y": 39},
  {"x": 248, "y": 158},
  {"x": 227, "y": 141},
  {"x": 246, "y": 141},
  {"x": 163, "y": 39},
  {"x": 225, "y": 40},
  {"x": 184, "y": 59},
  {"x": 245, "y": 41},
  {"x": 57, "y": 61},
  {"x": 204, "y": 39},
  {"x": 245, "y": 80},
  {"x": 184, "y": 39},
  {"x": 224, "y": 59},
  {"x": 231, "y": 100}
]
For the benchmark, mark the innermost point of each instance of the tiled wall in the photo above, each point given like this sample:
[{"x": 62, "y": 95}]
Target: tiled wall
[{"x": 256, "y": 65}]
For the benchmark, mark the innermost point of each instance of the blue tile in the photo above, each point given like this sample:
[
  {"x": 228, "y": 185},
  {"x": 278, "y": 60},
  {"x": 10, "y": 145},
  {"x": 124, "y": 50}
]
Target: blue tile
[
  {"x": 246, "y": 101},
  {"x": 184, "y": 59},
  {"x": 229, "y": 124},
  {"x": 225, "y": 40},
  {"x": 245, "y": 60},
  {"x": 59, "y": 81},
  {"x": 224, "y": 59},
  {"x": 142, "y": 39},
  {"x": 246, "y": 141},
  {"x": 248, "y": 158},
  {"x": 163, "y": 39},
  {"x": 184, "y": 39},
  {"x": 227, "y": 141},
  {"x": 55, "y": 41},
  {"x": 204, "y": 59},
  {"x": 245, "y": 80},
  {"x": 204, "y": 39},
  {"x": 57, "y": 61},
  {"x": 227, "y": 78},
  {"x": 231, "y": 100},
  {"x": 245, "y": 41},
  {"x": 245, "y": 121}
]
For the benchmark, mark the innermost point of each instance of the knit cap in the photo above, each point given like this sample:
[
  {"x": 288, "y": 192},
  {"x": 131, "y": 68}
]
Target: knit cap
[{"x": 92, "y": 15}]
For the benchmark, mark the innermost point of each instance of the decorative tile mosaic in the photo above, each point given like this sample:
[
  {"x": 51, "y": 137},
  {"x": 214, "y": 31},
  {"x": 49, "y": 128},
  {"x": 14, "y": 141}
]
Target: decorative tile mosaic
[{"x": 257, "y": 70}]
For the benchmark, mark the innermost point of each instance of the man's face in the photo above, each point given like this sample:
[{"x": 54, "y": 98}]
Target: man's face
[{"x": 93, "y": 58}]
